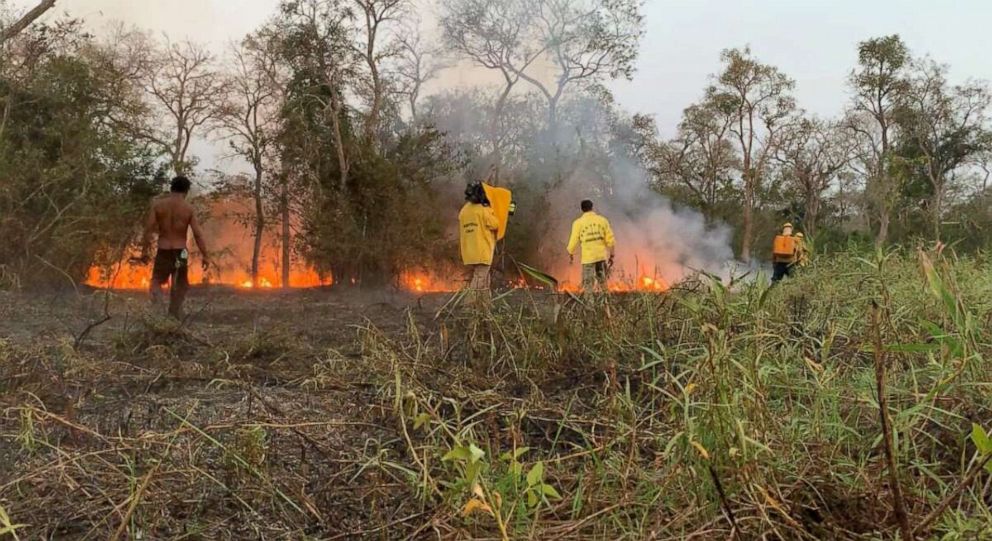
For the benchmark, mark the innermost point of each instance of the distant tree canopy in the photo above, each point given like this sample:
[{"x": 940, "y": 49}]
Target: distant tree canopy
[{"x": 360, "y": 170}]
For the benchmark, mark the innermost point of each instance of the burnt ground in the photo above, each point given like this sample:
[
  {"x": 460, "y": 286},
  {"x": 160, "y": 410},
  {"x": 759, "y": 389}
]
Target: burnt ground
[{"x": 254, "y": 419}]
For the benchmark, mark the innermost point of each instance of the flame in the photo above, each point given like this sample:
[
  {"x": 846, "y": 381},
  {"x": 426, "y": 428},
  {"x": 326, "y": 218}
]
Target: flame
[
  {"x": 231, "y": 243},
  {"x": 130, "y": 275},
  {"x": 419, "y": 281}
]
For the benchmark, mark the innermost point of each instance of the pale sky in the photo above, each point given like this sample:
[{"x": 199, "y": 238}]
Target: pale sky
[{"x": 813, "y": 41}]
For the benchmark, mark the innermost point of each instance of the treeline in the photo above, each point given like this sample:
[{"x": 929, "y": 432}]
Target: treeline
[
  {"x": 907, "y": 161},
  {"x": 355, "y": 157}
]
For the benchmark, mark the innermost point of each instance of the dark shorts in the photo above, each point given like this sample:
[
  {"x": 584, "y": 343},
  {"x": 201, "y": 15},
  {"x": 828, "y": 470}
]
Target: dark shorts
[{"x": 171, "y": 265}]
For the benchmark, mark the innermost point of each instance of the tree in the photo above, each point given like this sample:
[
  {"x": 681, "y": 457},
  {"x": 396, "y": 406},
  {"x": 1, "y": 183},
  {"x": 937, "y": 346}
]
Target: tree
[
  {"x": 585, "y": 40},
  {"x": 877, "y": 85},
  {"x": 812, "y": 153},
  {"x": 375, "y": 48},
  {"x": 317, "y": 45},
  {"x": 701, "y": 158},
  {"x": 418, "y": 64},
  {"x": 493, "y": 35},
  {"x": 73, "y": 185},
  {"x": 757, "y": 99},
  {"x": 183, "y": 85},
  {"x": 25, "y": 20},
  {"x": 943, "y": 127},
  {"x": 248, "y": 115}
]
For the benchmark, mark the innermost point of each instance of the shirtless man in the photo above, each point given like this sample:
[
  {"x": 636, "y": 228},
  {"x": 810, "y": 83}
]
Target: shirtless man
[{"x": 171, "y": 217}]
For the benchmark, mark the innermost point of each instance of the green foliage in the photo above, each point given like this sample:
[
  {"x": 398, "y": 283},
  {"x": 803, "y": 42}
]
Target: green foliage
[{"x": 74, "y": 185}]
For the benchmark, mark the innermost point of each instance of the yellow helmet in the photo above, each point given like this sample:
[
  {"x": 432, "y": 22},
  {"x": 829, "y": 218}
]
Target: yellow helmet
[
  {"x": 786, "y": 224},
  {"x": 800, "y": 235}
]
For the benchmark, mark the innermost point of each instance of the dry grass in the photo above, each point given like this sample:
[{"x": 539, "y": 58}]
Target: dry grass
[{"x": 705, "y": 413}]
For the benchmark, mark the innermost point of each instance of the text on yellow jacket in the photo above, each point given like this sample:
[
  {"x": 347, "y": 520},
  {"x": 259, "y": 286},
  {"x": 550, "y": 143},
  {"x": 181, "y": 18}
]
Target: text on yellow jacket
[
  {"x": 477, "y": 227},
  {"x": 595, "y": 235}
]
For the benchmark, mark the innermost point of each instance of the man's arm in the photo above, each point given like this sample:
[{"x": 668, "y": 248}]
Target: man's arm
[
  {"x": 611, "y": 241},
  {"x": 491, "y": 221},
  {"x": 573, "y": 241},
  {"x": 151, "y": 224},
  {"x": 200, "y": 243}
]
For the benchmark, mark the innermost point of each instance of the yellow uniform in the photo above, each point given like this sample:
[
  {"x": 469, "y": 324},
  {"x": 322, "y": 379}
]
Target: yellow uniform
[
  {"x": 595, "y": 235},
  {"x": 477, "y": 225}
]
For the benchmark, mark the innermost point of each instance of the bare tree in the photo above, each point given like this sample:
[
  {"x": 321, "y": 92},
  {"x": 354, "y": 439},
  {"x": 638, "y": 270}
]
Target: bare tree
[
  {"x": 183, "y": 85},
  {"x": 418, "y": 64},
  {"x": 943, "y": 127},
  {"x": 812, "y": 153},
  {"x": 492, "y": 35},
  {"x": 585, "y": 40},
  {"x": 757, "y": 98},
  {"x": 248, "y": 116},
  {"x": 375, "y": 48},
  {"x": 25, "y": 20}
]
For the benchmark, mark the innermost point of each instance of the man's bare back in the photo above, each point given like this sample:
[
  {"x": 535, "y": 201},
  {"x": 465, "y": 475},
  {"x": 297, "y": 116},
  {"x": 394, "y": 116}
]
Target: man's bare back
[{"x": 171, "y": 218}]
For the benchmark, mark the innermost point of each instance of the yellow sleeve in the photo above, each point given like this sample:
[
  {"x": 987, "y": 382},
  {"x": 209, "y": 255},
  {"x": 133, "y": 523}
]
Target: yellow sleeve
[
  {"x": 573, "y": 239},
  {"x": 492, "y": 222},
  {"x": 610, "y": 240}
]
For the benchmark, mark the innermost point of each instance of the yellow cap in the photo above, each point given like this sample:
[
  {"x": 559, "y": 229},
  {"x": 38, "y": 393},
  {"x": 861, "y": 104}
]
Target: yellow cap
[
  {"x": 800, "y": 235},
  {"x": 786, "y": 224}
]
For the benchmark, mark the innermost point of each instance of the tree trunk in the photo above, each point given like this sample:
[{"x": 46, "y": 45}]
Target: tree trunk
[
  {"x": 335, "y": 110},
  {"x": 749, "y": 197},
  {"x": 256, "y": 253},
  {"x": 883, "y": 227},
  {"x": 812, "y": 218},
  {"x": 936, "y": 206},
  {"x": 284, "y": 209},
  {"x": 748, "y": 231}
]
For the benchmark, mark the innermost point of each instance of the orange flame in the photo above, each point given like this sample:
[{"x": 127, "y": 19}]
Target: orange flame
[
  {"x": 419, "y": 281},
  {"x": 128, "y": 275}
]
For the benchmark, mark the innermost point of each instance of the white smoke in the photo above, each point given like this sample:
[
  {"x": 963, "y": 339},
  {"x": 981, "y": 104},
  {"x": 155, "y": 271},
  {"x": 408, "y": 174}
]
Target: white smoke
[{"x": 586, "y": 158}]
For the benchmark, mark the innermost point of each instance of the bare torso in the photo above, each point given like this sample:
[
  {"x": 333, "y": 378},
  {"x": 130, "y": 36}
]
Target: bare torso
[{"x": 173, "y": 217}]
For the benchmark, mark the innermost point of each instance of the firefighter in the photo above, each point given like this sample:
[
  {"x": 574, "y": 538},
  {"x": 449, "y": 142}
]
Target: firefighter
[
  {"x": 594, "y": 234},
  {"x": 783, "y": 253},
  {"x": 477, "y": 234},
  {"x": 802, "y": 251}
]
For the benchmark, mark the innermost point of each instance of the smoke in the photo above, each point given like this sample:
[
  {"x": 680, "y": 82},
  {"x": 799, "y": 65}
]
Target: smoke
[
  {"x": 590, "y": 155},
  {"x": 655, "y": 238}
]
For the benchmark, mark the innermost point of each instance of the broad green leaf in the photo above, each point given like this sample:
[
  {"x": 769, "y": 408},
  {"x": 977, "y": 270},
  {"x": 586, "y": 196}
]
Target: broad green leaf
[
  {"x": 458, "y": 453},
  {"x": 981, "y": 439},
  {"x": 475, "y": 453},
  {"x": 535, "y": 474},
  {"x": 538, "y": 275},
  {"x": 532, "y": 498},
  {"x": 515, "y": 454},
  {"x": 550, "y": 492},
  {"x": 472, "y": 471}
]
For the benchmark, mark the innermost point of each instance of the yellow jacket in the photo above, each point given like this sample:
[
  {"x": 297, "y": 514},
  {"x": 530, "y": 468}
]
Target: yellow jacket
[
  {"x": 596, "y": 236},
  {"x": 477, "y": 226}
]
